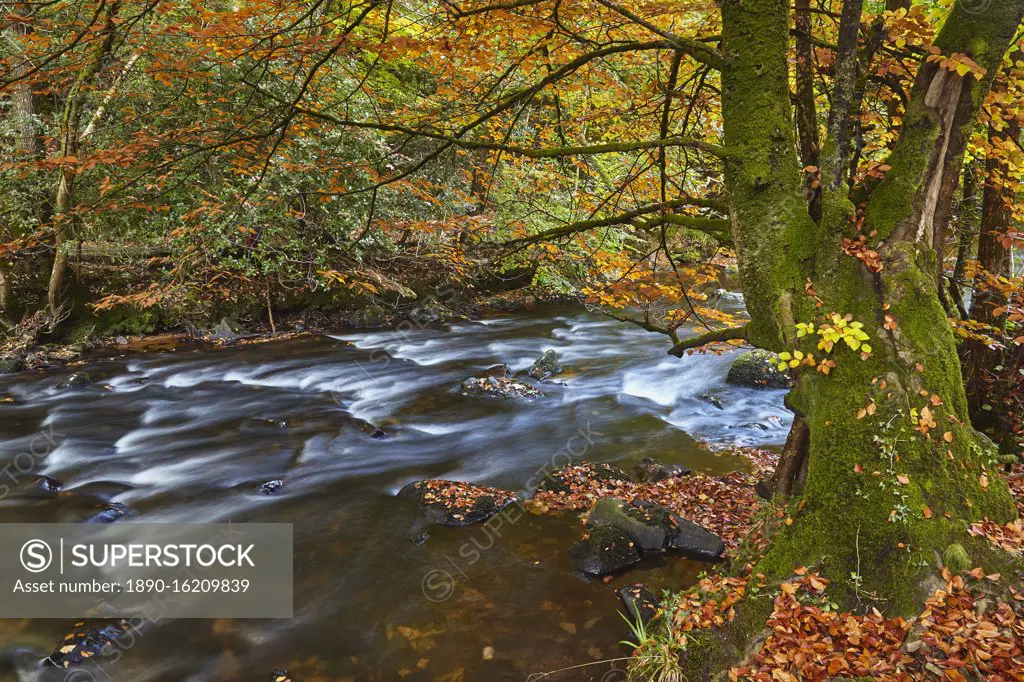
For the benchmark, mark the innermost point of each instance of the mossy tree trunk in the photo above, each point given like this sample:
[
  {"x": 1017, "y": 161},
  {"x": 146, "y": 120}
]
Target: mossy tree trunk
[{"x": 899, "y": 410}]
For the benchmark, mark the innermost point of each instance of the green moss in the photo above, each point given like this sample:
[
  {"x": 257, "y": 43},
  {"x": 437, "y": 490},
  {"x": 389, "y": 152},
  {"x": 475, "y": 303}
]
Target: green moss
[{"x": 956, "y": 559}]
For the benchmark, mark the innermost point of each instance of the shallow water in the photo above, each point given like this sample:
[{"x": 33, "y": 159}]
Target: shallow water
[{"x": 187, "y": 435}]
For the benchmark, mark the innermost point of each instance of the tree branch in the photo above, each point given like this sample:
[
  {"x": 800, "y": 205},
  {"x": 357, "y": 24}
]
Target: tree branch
[{"x": 717, "y": 335}]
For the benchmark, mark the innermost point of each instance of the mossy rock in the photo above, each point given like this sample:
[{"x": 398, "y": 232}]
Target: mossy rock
[
  {"x": 603, "y": 550},
  {"x": 759, "y": 369}
]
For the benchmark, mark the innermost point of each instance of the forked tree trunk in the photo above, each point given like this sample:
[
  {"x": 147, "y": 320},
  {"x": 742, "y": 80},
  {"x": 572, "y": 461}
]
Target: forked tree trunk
[{"x": 900, "y": 410}]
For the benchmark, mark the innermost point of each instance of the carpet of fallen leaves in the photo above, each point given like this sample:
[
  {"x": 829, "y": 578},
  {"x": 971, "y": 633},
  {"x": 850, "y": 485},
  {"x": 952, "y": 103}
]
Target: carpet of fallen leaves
[
  {"x": 1009, "y": 536},
  {"x": 961, "y": 634},
  {"x": 725, "y": 505}
]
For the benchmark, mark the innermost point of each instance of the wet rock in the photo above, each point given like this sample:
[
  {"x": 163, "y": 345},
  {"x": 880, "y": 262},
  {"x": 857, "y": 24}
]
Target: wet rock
[
  {"x": 281, "y": 676},
  {"x": 110, "y": 513},
  {"x": 420, "y": 538},
  {"x": 764, "y": 489},
  {"x": 713, "y": 400},
  {"x": 11, "y": 363},
  {"x": 498, "y": 387},
  {"x": 76, "y": 380},
  {"x": 570, "y": 478},
  {"x": 692, "y": 541},
  {"x": 758, "y": 369},
  {"x": 545, "y": 366},
  {"x": 372, "y": 431},
  {"x": 457, "y": 504},
  {"x": 497, "y": 371},
  {"x": 271, "y": 487},
  {"x": 656, "y": 529},
  {"x": 36, "y": 486},
  {"x": 226, "y": 330},
  {"x": 121, "y": 341},
  {"x": 641, "y": 604},
  {"x": 646, "y": 526},
  {"x": 603, "y": 550},
  {"x": 652, "y": 471},
  {"x": 87, "y": 641}
]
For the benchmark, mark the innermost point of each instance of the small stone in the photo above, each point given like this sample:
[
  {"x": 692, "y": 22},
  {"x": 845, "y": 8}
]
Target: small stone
[
  {"x": 121, "y": 341},
  {"x": 113, "y": 511},
  {"x": 488, "y": 653},
  {"x": 271, "y": 487},
  {"x": 76, "y": 380},
  {"x": 420, "y": 538},
  {"x": 281, "y": 676}
]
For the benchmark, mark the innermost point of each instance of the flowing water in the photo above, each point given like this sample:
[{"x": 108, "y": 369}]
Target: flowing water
[{"x": 188, "y": 435}]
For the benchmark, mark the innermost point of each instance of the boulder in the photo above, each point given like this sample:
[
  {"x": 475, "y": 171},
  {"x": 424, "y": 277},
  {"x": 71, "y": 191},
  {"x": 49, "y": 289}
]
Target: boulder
[
  {"x": 693, "y": 541},
  {"x": 654, "y": 528},
  {"x": 646, "y": 526},
  {"x": 545, "y": 366},
  {"x": 569, "y": 478},
  {"x": 603, "y": 550},
  {"x": 226, "y": 330},
  {"x": 758, "y": 369},
  {"x": 652, "y": 471},
  {"x": 457, "y": 504},
  {"x": 641, "y": 604},
  {"x": 87, "y": 641},
  {"x": 498, "y": 387},
  {"x": 11, "y": 363},
  {"x": 76, "y": 380}
]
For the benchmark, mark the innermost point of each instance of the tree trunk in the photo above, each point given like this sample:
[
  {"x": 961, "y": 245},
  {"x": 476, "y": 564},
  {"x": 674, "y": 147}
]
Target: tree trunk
[
  {"x": 900, "y": 409},
  {"x": 994, "y": 262},
  {"x": 63, "y": 205}
]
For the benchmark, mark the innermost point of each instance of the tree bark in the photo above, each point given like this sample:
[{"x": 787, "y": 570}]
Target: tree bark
[
  {"x": 63, "y": 204},
  {"x": 901, "y": 409}
]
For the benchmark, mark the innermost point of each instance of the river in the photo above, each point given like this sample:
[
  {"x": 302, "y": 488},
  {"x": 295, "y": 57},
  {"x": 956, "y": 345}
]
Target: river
[{"x": 189, "y": 434}]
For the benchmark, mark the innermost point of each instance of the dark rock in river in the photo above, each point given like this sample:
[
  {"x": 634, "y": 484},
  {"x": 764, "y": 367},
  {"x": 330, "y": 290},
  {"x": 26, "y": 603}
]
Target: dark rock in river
[
  {"x": 457, "y": 504},
  {"x": 693, "y": 541},
  {"x": 11, "y": 363},
  {"x": 646, "y": 526},
  {"x": 281, "y": 676},
  {"x": 569, "y": 478},
  {"x": 271, "y": 487},
  {"x": 652, "y": 471},
  {"x": 88, "y": 640},
  {"x": 111, "y": 512},
  {"x": 498, "y": 387},
  {"x": 36, "y": 486},
  {"x": 545, "y": 366},
  {"x": 758, "y": 369},
  {"x": 419, "y": 538},
  {"x": 713, "y": 400},
  {"x": 641, "y": 604},
  {"x": 497, "y": 371},
  {"x": 656, "y": 529},
  {"x": 76, "y": 380},
  {"x": 603, "y": 550}
]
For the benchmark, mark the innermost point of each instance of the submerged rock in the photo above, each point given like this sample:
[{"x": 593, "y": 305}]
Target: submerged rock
[
  {"x": 457, "y": 504},
  {"x": 111, "y": 512},
  {"x": 652, "y": 471},
  {"x": 498, "y": 387},
  {"x": 603, "y": 550},
  {"x": 34, "y": 487},
  {"x": 570, "y": 478},
  {"x": 545, "y": 366},
  {"x": 87, "y": 641},
  {"x": 76, "y": 380},
  {"x": 641, "y": 604},
  {"x": 758, "y": 369}
]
